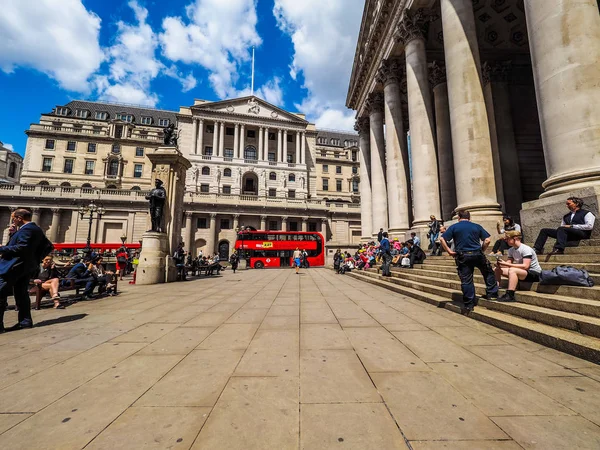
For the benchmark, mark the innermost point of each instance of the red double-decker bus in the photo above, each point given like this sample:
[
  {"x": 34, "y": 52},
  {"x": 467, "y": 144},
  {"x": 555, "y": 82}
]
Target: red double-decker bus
[
  {"x": 76, "y": 247},
  {"x": 276, "y": 248}
]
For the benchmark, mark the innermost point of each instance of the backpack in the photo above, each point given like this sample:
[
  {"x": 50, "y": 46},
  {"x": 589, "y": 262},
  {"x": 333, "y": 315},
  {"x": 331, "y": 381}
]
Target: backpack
[
  {"x": 566, "y": 276},
  {"x": 121, "y": 260}
]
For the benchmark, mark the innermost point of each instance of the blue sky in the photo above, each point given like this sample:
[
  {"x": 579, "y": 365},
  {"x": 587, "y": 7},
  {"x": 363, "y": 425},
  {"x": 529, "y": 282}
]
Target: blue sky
[{"x": 165, "y": 54}]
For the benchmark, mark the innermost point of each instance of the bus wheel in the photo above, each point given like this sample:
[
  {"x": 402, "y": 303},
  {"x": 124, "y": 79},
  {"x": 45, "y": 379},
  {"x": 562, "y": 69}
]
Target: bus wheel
[{"x": 259, "y": 265}]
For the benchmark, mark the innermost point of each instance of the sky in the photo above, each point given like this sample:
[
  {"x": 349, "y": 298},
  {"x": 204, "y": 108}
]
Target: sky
[{"x": 165, "y": 54}]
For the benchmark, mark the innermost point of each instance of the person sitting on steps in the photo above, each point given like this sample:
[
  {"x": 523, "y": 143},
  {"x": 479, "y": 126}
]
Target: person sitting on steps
[
  {"x": 501, "y": 245},
  {"x": 522, "y": 265},
  {"x": 575, "y": 226}
]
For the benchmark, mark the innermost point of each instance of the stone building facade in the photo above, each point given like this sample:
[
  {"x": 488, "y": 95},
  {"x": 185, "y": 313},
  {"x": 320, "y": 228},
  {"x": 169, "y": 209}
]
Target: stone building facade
[
  {"x": 502, "y": 102},
  {"x": 253, "y": 164},
  {"x": 11, "y": 164}
]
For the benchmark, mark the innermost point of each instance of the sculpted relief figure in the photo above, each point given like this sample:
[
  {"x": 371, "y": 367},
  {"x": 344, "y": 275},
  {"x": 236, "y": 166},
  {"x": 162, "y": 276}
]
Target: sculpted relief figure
[
  {"x": 253, "y": 106},
  {"x": 157, "y": 198},
  {"x": 170, "y": 136}
]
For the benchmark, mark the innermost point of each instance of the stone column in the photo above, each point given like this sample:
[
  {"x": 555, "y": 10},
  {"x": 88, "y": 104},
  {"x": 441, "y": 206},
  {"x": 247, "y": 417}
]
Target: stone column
[
  {"x": 304, "y": 224},
  {"x": 437, "y": 78},
  {"x": 284, "y": 221},
  {"x": 366, "y": 208},
  {"x": 263, "y": 223},
  {"x": 303, "y": 149},
  {"x": 36, "y": 216},
  {"x": 240, "y": 153},
  {"x": 189, "y": 231},
  {"x": 398, "y": 173},
  {"x": 195, "y": 137},
  {"x": 564, "y": 38},
  {"x": 221, "y": 139},
  {"x": 216, "y": 138},
  {"x": 324, "y": 229},
  {"x": 236, "y": 140},
  {"x": 379, "y": 202},
  {"x": 261, "y": 150},
  {"x": 279, "y": 147},
  {"x": 266, "y": 144},
  {"x": 236, "y": 221},
  {"x": 200, "y": 137},
  {"x": 53, "y": 232},
  {"x": 426, "y": 190},
  {"x": 508, "y": 158},
  {"x": 473, "y": 164},
  {"x": 297, "y": 161},
  {"x": 212, "y": 234},
  {"x": 285, "y": 146}
]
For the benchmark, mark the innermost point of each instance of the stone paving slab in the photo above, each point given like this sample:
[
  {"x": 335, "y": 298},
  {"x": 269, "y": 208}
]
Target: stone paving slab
[{"x": 270, "y": 360}]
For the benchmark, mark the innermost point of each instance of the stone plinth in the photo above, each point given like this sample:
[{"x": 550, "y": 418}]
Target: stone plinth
[{"x": 153, "y": 259}]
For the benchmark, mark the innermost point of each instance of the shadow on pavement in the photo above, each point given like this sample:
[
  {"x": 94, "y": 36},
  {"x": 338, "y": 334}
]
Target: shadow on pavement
[{"x": 45, "y": 323}]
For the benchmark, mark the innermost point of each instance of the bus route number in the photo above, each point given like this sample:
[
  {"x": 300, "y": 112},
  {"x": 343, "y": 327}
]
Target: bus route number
[{"x": 267, "y": 245}]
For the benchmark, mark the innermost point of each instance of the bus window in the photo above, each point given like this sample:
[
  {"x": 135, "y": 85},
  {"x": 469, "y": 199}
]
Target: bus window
[{"x": 271, "y": 237}]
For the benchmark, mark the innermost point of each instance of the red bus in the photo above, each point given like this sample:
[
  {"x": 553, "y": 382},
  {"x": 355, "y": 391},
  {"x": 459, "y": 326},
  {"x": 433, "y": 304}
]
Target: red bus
[
  {"x": 276, "y": 248},
  {"x": 76, "y": 247}
]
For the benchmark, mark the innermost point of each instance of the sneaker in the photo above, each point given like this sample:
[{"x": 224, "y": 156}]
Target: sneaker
[
  {"x": 506, "y": 298},
  {"x": 490, "y": 297},
  {"x": 557, "y": 251},
  {"x": 538, "y": 252}
]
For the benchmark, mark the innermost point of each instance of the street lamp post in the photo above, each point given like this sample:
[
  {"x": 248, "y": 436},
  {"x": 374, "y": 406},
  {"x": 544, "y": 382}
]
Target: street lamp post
[
  {"x": 240, "y": 232},
  {"x": 123, "y": 239},
  {"x": 90, "y": 212}
]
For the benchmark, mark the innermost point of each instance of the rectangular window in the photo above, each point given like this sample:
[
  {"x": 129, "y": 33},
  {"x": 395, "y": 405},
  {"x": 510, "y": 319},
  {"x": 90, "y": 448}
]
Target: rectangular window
[
  {"x": 228, "y": 153},
  {"x": 337, "y": 155},
  {"x": 272, "y": 156},
  {"x": 139, "y": 151},
  {"x": 338, "y": 169},
  {"x": 138, "y": 169},
  {"x": 116, "y": 148},
  {"x": 355, "y": 186},
  {"x": 312, "y": 226},
  {"x": 61, "y": 111},
  {"x": 338, "y": 185},
  {"x": 290, "y": 137},
  {"x": 91, "y": 147},
  {"x": 49, "y": 144},
  {"x": 271, "y": 136},
  {"x": 81, "y": 113},
  {"x": 225, "y": 224},
  {"x": 293, "y": 226},
  {"x": 354, "y": 170},
  {"x": 125, "y": 117},
  {"x": 325, "y": 168},
  {"x": 273, "y": 225},
  {"x": 229, "y": 131},
  {"x": 204, "y": 188},
  {"x": 290, "y": 158},
  {"x": 325, "y": 184},
  {"x": 323, "y": 154},
  {"x": 68, "y": 168},
  {"x": 354, "y": 156},
  {"x": 71, "y": 146},
  {"x": 227, "y": 190},
  {"x": 291, "y": 193},
  {"x": 208, "y": 151},
  {"x": 163, "y": 122},
  {"x": 101, "y": 115},
  {"x": 272, "y": 192},
  {"x": 47, "y": 165},
  {"x": 201, "y": 223},
  {"x": 89, "y": 167},
  {"x": 251, "y": 133},
  {"x": 210, "y": 129},
  {"x": 146, "y": 120},
  {"x": 97, "y": 130}
]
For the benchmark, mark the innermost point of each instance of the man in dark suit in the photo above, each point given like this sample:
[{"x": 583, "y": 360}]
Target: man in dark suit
[{"x": 19, "y": 260}]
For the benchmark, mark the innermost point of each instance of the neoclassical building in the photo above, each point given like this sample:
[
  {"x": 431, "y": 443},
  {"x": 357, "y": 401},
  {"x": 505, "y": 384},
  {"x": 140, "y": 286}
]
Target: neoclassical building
[
  {"x": 501, "y": 100},
  {"x": 11, "y": 164},
  {"x": 253, "y": 164}
]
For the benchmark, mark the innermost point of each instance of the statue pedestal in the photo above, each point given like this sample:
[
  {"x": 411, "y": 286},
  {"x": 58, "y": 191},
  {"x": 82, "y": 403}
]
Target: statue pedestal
[{"x": 152, "y": 268}]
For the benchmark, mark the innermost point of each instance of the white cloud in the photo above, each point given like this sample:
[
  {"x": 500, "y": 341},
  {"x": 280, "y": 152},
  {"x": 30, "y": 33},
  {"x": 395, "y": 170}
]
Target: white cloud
[
  {"x": 216, "y": 34},
  {"x": 324, "y": 36},
  {"x": 271, "y": 91},
  {"x": 9, "y": 146},
  {"x": 59, "y": 39}
]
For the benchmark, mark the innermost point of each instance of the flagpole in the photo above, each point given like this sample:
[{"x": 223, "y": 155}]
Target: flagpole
[{"x": 252, "y": 88}]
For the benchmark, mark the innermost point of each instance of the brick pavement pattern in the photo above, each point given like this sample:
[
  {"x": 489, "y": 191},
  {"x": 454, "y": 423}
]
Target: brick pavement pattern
[{"x": 272, "y": 360}]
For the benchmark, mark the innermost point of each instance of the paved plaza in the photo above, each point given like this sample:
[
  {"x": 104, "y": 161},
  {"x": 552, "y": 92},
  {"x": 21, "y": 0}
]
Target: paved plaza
[{"x": 272, "y": 360}]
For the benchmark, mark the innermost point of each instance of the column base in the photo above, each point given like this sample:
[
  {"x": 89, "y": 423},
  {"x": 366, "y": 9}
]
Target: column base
[
  {"x": 401, "y": 233},
  {"x": 547, "y": 212},
  {"x": 153, "y": 259}
]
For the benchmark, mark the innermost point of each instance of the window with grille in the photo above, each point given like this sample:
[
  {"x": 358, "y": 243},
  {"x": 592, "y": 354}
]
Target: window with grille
[
  {"x": 204, "y": 188},
  {"x": 146, "y": 120},
  {"x": 227, "y": 173},
  {"x": 338, "y": 169},
  {"x": 273, "y": 225},
  {"x": 138, "y": 169},
  {"x": 164, "y": 122},
  {"x": 208, "y": 151},
  {"x": 139, "y": 151},
  {"x": 101, "y": 115},
  {"x": 291, "y": 193},
  {"x": 91, "y": 147},
  {"x": 272, "y": 192},
  {"x": 49, "y": 144},
  {"x": 201, "y": 223},
  {"x": 68, "y": 167},
  {"x": 272, "y": 176},
  {"x": 229, "y": 131},
  {"x": 206, "y": 170},
  {"x": 47, "y": 165},
  {"x": 228, "y": 153},
  {"x": 89, "y": 167},
  {"x": 325, "y": 184},
  {"x": 338, "y": 185},
  {"x": 227, "y": 190},
  {"x": 225, "y": 224},
  {"x": 71, "y": 146}
]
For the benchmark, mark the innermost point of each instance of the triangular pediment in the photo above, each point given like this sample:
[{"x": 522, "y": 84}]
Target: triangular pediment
[{"x": 250, "y": 106}]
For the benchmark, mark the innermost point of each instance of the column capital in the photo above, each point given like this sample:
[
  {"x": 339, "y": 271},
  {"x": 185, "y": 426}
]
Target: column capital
[
  {"x": 375, "y": 102},
  {"x": 213, "y": 216},
  {"x": 362, "y": 125},
  {"x": 409, "y": 28},
  {"x": 189, "y": 214},
  {"x": 35, "y": 210},
  {"x": 284, "y": 218},
  {"x": 236, "y": 216},
  {"x": 55, "y": 210},
  {"x": 264, "y": 217},
  {"x": 496, "y": 71},
  {"x": 437, "y": 73},
  {"x": 391, "y": 71},
  {"x": 324, "y": 220},
  {"x": 305, "y": 218}
]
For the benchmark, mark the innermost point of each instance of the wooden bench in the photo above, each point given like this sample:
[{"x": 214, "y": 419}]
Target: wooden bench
[{"x": 40, "y": 293}]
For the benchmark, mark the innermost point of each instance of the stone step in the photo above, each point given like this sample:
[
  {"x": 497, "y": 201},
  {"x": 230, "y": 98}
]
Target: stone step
[
  {"x": 592, "y": 268},
  {"x": 588, "y": 293},
  {"x": 561, "y": 339},
  {"x": 583, "y": 249},
  {"x": 556, "y": 260}
]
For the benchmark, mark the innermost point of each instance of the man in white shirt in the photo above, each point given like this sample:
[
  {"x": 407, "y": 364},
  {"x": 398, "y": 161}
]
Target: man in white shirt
[
  {"x": 416, "y": 239},
  {"x": 576, "y": 225},
  {"x": 522, "y": 265}
]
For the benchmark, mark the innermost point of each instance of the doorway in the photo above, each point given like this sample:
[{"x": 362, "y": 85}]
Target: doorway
[
  {"x": 224, "y": 251},
  {"x": 250, "y": 184}
]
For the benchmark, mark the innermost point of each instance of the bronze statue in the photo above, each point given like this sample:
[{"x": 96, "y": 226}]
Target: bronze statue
[
  {"x": 170, "y": 138},
  {"x": 157, "y": 198}
]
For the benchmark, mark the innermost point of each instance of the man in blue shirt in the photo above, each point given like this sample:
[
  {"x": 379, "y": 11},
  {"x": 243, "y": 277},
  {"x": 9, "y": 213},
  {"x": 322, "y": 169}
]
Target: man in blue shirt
[
  {"x": 386, "y": 255},
  {"x": 469, "y": 252}
]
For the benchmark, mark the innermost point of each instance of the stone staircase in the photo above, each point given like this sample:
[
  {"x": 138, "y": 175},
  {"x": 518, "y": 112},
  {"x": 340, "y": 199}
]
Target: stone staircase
[{"x": 566, "y": 318}]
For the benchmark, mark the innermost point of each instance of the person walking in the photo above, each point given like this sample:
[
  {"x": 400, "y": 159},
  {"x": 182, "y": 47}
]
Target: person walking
[
  {"x": 380, "y": 235},
  {"x": 297, "y": 259},
  {"x": 433, "y": 234},
  {"x": 470, "y": 242},
  {"x": 386, "y": 255},
  {"x": 12, "y": 229},
  {"x": 20, "y": 259},
  {"x": 122, "y": 257},
  {"x": 234, "y": 260}
]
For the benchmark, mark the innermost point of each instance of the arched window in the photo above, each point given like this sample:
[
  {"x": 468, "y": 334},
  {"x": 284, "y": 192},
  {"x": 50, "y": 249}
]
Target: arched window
[
  {"x": 12, "y": 170},
  {"x": 206, "y": 170},
  {"x": 86, "y": 186},
  {"x": 65, "y": 184},
  {"x": 227, "y": 173},
  {"x": 250, "y": 153},
  {"x": 44, "y": 183},
  {"x": 292, "y": 177},
  {"x": 273, "y": 176},
  {"x": 111, "y": 186},
  {"x": 136, "y": 188}
]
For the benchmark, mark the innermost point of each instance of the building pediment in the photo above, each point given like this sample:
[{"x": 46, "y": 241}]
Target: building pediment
[{"x": 250, "y": 106}]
